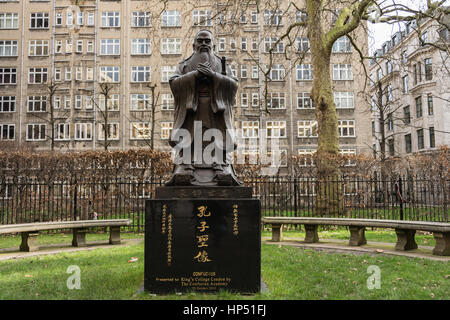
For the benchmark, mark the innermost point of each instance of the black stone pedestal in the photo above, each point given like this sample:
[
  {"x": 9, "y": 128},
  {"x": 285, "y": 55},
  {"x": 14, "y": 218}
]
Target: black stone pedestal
[{"x": 202, "y": 239}]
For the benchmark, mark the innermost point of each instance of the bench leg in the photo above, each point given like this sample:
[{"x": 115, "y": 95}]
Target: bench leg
[
  {"x": 442, "y": 247},
  {"x": 114, "y": 235},
  {"x": 79, "y": 237},
  {"x": 277, "y": 232},
  {"x": 357, "y": 236},
  {"x": 405, "y": 240},
  {"x": 29, "y": 241},
  {"x": 311, "y": 233}
]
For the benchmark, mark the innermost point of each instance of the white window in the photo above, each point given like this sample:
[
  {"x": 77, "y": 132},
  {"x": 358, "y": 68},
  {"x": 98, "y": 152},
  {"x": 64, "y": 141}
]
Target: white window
[
  {"x": 78, "y": 102},
  {"x": 69, "y": 18},
  {"x": 306, "y": 157},
  {"x": 170, "y": 46},
  {"x": 243, "y": 18},
  {"x": 140, "y": 74},
  {"x": 38, "y": 48},
  {"x": 7, "y": 103},
  {"x": 62, "y": 131},
  {"x": 171, "y": 18},
  {"x": 37, "y": 104},
  {"x": 78, "y": 73},
  {"x": 36, "y": 132},
  {"x": 56, "y": 102},
  {"x": 113, "y": 131},
  {"x": 276, "y": 129},
  {"x": 244, "y": 100},
  {"x": 250, "y": 129},
  {"x": 301, "y": 16},
  {"x": 80, "y": 18},
  {"x": 110, "y": 19},
  {"x": 302, "y": 44},
  {"x": 67, "y": 102},
  {"x": 7, "y": 131},
  {"x": 140, "y": 46},
  {"x": 277, "y": 72},
  {"x": 243, "y": 71},
  {"x": 222, "y": 44},
  {"x": 37, "y": 75},
  {"x": 89, "y": 46},
  {"x": 58, "y": 46},
  {"x": 113, "y": 102},
  {"x": 202, "y": 18},
  {"x": 140, "y": 130},
  {"x": 167, "y": 101},
  {"x": 90, "y": 19},
  {"x": 304, "y": 101},
  {"x": 141, "y": 19},
  {"x": 167, "y": 72},
  {"x": 244, "y": 44},
  {"x": 8, "y": 48},
  {"x": 389, "y": 94},
  {"x": 232, "y": 44},
  {"x": 346, "y": 128},
  {"x": 110, "y": 46},
  {"x": 255, "y": 72},
  {"x": 255, "y": 99},
  {"x": 89, "y": 74},
  {"x": 109, "y": 74},
  {"x": 307, "y": 129},
  {"x": 342, "y": 44},
  {"x": 270, "y": 43},
  {"x": 254, "y": 17},
  {"x": 8, "y": 75},
  {"x": 166, "y": 130},
  {"x": 276, "y": 100},
  {"x": 344, "y": 100},
  {"x": 273, "y": 17},
  {"x": 255, "y": 46},
  {"x": 58, "y": 19},
  {"x": 89, "y": 103},
  {"x": 39, "y": 20},
  {"x": 304, "y": 72},
  {"x": 79, "y": 48},
  {"x": 140, "y": 102},
  {"x": 342, "y": 72},
  {"x": 83, "y": 131},
  {"x": 68, "y": 76},
  {"x": 9, "y": 20},
  {"x": 69, "y": 46}
]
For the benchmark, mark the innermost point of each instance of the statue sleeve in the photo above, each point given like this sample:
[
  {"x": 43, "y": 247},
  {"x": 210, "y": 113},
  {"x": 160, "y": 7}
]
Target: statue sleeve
[
  {"x": 224, "y": 91},
  {"x": 183, "y": 89}
]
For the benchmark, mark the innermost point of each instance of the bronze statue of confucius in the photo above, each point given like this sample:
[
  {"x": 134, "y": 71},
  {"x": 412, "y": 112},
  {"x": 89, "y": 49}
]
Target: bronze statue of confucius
[{"x": 203, "y": 136}]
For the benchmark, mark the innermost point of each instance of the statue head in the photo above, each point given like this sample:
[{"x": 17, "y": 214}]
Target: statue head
[{"x": 203, "y": 42}]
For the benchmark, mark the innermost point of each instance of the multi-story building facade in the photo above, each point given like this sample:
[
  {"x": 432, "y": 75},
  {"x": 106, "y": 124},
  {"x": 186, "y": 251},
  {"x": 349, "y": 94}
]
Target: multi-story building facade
[
  {"x": 55, "y": 54},
  {"x": 410, "y": 91}
]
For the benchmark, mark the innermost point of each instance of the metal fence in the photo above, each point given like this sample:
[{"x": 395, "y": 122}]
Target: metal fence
[{"x": 30, "y": 200}]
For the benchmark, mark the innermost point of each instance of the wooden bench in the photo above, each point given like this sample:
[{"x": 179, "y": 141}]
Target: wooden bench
[
  {"x": 30, "y": 231},
  {"x": 405, "y": 230}
]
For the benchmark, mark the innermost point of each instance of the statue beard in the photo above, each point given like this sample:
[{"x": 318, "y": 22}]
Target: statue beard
[{"x": 201, "y": 57}]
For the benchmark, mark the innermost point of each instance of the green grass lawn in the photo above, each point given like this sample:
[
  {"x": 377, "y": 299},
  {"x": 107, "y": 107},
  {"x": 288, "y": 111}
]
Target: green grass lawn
[{"x": 288, "y": 272}]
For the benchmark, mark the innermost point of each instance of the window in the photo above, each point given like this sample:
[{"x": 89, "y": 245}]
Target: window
[
  {"x": 255, "y": 99},
  {"x": 7, "y": 131},
  {"x": 250, "y": 129},
  {"x": 373, "y": 128},
  {"x": 430, "y": 105},
  {"x": 89, "y": 74},
  {"x": 255, "y": 72},
  {"x": 112, "y": 131},
  {"x": 244, "y": 44},
  {"x": 233, "y": 70},
  {"x": 110, "y": 46},
  {"x": 349, "y": 153},
  {"x": 78, "y": 102},
  {"x": 113, "y": 102},
  {"x": 342, "y": 45},
  {"x": 7, "y": 103},
  {"x": 79, "y": 48},
  {"x": 37, "y": 104},
  {"x": 255, "y": 46},
  {"x": 80, "y": 18},
  {"x": 306, "y": 157},
  {"x": 8, "y": 48},
  {"x": 254, "y": 17},
  {"x": 344, "y": 100},
  {"x": 379, "y": 74},
  {"x": 420, "y": 140},
  {"x": 141, "y": 19},
  {"x": 68, "y": 76},
  {"x": 417, "y": 73},
  {"x": 171, "y": 18},
  {"x": 419, "y": 107},
  {"x": 408, "y": 146},
  {"x": 276, "y": 129},
  {"x": 389, "y": 96},
  {"x": 167, "y": 101},
  {"x": 69, "y": 46},
  {"x": 110, "y": 19},
  {"x": 273, "y": 17},
  {"x": 424, "y": 38},
  {"x": 304, "y": 101},
  {"x": 167, "y": 72},
  {"x": 58, "y": 19},
  {"x": 276, "y": 100},
  {"x": 388, "y": 67},
  {"x": 166, "y": 129},
  {"x": 140, "y": 74},
  {"x": 342, "y": 72},
  {"x": 307, "y": 129},
  {"x": 277, "y": 72},
  {"x": 301, "y": 16},
  {"x": 202, "y": 18},
  {"x": 67, "y": 102},
  {"x": 69, "y": 18},
  {"x": 404, "y": 57},
  {"x": 78, "y": 73},
  {"x": 232, "y": 44},
  {"x": 39, "y": 20},
  {"x": 428, "y": 69},
  {"x": 270, "y": 43},
  {"x": 9, "y": 20},
  {"x": 83, "y": 131},
  {"x": 390, "y": 122},
  {"x": 432, "y": 137},
  {"x": 346, "y": 128},
  {"x": 58, "y": 46},
  {"x": 90, "y": 19},
  {"x": 243, "y": 71},
  {"x": 38, "y": 48},
  {"x": 140, "y": 102},
  {"x": 89, "y": 46},
  {"x": 302, "y": 44},
  {"x": 222, "y": 44},
  {"x": 8, "y": 75},
  {"x": 89, "y": 103},
  {"x": 405, "y": 83},
  {"x": 109, "y": 74},
  {"x": 243, "y": 18},
  {"x": 406, "y": 115},
  {"x": 62, "y": 131},
  {"x": 56, "y": 102},
  {"x": 140, "y": 130},
  {"x": 36, "y": 132},
  {"x": 170, "y": 46},
  {"x": 244, "y": 100},
  {"x": 140, "y": 46},
  {"x": 304, "y": 72},
  {"x": 37, "y": 75}
]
